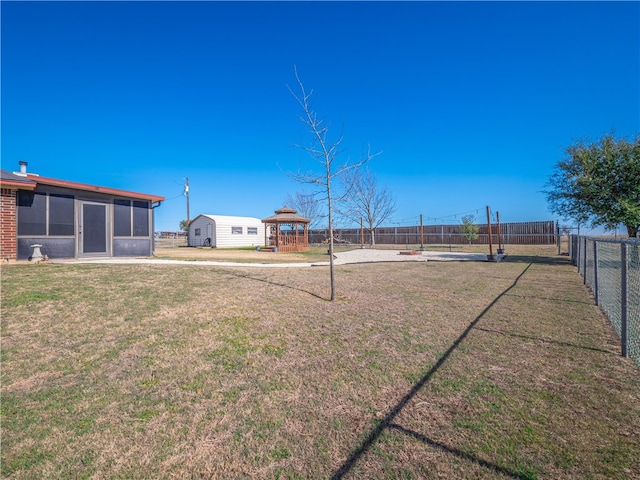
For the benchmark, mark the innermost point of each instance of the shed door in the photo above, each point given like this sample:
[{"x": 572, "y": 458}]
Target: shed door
[{"x": 92, "y": 229}]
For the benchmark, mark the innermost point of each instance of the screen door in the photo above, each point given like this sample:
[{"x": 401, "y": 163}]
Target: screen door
[{"x": 93, "y": 229}]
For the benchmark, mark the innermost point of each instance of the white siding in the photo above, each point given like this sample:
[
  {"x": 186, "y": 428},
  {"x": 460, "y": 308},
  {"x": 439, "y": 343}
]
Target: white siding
[
  {"x": 205, "y": 227},
  {"x": 219, "y": 229}
]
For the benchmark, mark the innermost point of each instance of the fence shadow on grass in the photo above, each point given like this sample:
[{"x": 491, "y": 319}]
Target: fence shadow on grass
[
  {"x": 540, "y": 259},
  {"x": 458, "y": 453},
  {"x": 546, "y": 340},
  {"x": 388, "y": 421},
  {"x": 271, "y": 282},
  {"x": 552, "y": 299}
]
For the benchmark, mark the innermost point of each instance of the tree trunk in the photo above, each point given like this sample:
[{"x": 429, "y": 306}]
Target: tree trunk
[
  {"x": 632, "y": 230},
  {"x": 330, "y": 205}
]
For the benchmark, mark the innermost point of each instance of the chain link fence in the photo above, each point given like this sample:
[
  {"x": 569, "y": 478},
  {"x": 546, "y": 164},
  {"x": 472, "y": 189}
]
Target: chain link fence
[
  {"x": 170, "y": 239},
  {"x": 611, "y": 269}
]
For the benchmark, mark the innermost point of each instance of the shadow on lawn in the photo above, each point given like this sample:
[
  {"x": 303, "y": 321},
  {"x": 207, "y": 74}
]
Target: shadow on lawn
[
  {"x": 540, "y": 259},
  {"x": 271, "y": 282},
  {"x": 552, "y": 299},
  {"x": 545, "y": 340},
  {"x": 458, "y": 453},
  {"x": 387, "y": 421}
]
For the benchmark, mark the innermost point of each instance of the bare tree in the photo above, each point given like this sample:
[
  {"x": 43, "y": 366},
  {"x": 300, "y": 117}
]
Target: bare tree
[
  {"x": 325, "y": 152},
  {"x": 307, "y": 205},
  {"x": 367, "y": 200}
]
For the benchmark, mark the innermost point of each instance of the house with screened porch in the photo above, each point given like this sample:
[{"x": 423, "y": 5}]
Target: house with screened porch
[{"x": 67, "y": 219}]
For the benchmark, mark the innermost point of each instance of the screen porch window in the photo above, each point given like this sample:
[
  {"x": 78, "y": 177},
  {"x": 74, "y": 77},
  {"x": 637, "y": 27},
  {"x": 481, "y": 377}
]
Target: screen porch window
[
  {"x": 61, "y": 215},
  {"x": 122, "y": 218},
  {"x": 140, "y": 219},
  {"x": 42, "y": 214},
  {"x": 130, "y": 218}
]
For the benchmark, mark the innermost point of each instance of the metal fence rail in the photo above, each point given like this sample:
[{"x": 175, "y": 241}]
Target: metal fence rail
[{"x": 611, "y": 269}]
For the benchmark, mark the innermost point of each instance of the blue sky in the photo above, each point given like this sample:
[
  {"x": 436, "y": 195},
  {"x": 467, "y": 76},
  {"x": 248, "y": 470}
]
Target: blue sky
[{"x": 471, "y": 103}]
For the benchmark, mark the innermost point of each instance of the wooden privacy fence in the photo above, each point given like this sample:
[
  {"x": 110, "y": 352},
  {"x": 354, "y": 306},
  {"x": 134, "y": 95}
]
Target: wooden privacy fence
[{"x": 514, "y": 233}]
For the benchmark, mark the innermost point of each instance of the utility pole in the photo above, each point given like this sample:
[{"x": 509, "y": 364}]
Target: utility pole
[{"x": 186, "y": 193}]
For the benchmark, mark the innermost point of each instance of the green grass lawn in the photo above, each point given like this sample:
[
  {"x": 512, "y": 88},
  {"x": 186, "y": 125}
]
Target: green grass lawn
[{"x": 417, "y": 370}]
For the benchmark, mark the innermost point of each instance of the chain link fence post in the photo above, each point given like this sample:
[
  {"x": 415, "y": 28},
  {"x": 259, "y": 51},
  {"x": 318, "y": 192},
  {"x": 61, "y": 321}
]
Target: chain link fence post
[
  {"x": 624, "y": 300},
  {"x": 595, "y": 271},
  {"x": 611, "y": 270}
]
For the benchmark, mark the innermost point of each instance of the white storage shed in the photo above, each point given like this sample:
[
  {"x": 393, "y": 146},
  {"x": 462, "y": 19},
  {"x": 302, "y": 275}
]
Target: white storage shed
[{"x": 226, "y": 231}]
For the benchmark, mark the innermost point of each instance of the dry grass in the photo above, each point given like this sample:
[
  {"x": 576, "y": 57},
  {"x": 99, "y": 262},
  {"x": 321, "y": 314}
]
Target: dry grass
[
  {"x": 436, "y": 370},
  {"x": 318, "y": 253},
  {"x": 248, "y": 255}
]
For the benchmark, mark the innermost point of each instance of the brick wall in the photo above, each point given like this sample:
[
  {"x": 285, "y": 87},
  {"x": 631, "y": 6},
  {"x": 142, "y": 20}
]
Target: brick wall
[{"x": 8, "y": 231}]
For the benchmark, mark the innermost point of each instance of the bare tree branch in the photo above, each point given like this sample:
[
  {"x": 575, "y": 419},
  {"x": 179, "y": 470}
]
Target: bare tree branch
[
  {"x": 366, "y": 200},
  {"x": 324, "y": 151},
  {"x": 307, "y": 205}
]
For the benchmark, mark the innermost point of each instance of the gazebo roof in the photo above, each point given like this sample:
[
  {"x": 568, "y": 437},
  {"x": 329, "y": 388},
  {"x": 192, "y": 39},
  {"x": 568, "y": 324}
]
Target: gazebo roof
[{"x": 285, "y": 215}]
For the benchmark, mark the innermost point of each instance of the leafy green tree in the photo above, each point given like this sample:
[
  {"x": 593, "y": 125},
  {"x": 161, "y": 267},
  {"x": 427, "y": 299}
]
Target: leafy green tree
[
  {"x": 184, "y": 225},
  {"x": 599, "y": 184},
  {"x": 469, "y": 228}
]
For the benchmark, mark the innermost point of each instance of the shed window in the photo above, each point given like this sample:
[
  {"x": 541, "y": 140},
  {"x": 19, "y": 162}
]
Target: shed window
[
  {"x": 236, "y": 230},
  {"x": 252, "y": 230},
  {"x": 197, "y": 231}
]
